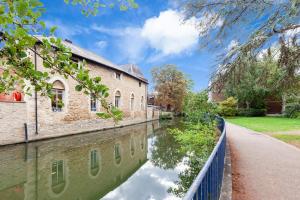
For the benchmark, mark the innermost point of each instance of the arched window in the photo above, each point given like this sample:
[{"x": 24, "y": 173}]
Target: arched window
[
  {"x": 58, "y": 91},
  {"x": 58, "y": 176},
  {"x": 132, "y": 102},
  {"x": 142, "y": 103},
  {"x": 94, "y": 162},
  {"x": 93, "y": 102},
  {"x": 118, "y": 99},
  {"x": 117, "y": 152}
]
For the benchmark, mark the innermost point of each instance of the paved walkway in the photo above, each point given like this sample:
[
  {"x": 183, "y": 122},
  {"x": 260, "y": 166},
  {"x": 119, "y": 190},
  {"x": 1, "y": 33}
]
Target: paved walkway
[{"x": 263, "y": 168}]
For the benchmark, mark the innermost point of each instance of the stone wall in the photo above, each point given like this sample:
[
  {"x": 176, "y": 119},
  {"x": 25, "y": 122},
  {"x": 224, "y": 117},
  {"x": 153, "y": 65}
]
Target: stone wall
[
  {"x": 76, "y": 116},
  {"x": 12, "y": 119}
]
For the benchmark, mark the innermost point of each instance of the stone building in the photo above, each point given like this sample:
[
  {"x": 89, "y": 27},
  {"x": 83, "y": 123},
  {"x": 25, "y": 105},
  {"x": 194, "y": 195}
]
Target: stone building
[{"x": 42, "y": 117}]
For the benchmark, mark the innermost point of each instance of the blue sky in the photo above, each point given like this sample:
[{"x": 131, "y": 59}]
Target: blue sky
[{"x": 149, "y": 36}]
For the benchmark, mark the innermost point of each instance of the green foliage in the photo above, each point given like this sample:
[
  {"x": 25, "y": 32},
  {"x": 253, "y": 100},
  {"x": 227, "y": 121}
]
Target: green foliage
[
  {"x": 197, "y": 107},
  {"x": 292, "y": 110},
  {"x": 198, "y": 140},
  {"x": 254, "y": 81},
  {"x": 251, "y": 112},
  {"x": 274, "y": 20},
  {"x": 228, "y": 107},
  {"x": 20, "y": 21},
  {"x": 92, "y": 7},
  {"x": 166, "y": 115},
  {"x": 167, "y": 152}
]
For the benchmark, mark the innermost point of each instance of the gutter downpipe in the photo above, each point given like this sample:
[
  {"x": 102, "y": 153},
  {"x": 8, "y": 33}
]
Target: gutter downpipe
[{"x": 35, "y": 94}]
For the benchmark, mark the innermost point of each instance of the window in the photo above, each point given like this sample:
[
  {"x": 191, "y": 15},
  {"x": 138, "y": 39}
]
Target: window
[
  {"x": 142, "y": 143},
  {"x": 118, "y": 99},
  {"x": 117, "y": 153},
  {"x": 94, "y": 159},
  {"x": 57, "y": 98},
  {"x": 118, "y": 75},
  {"x": 132, "y": 149},
  {"x": 58, "y": 176},
  {"x": 140, "y": 84},
  {"x": 93, "y": 103},
  {"x": 132, "y": 102},
  {"x": 142, "y": 103}
]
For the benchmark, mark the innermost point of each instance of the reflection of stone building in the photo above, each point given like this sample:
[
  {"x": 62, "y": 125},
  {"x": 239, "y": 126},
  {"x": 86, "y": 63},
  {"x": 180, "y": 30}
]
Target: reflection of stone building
[
  {"x": 79, "y": 167},
  {"x": 47, "y": 118}
]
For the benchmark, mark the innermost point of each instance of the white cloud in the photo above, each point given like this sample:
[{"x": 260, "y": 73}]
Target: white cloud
[
  {"x": 293, "y": 32},
  {"x": 66, "y": 31},
  {"x": 168, "y": 34},
  {"x": 128, "y": 40},
  {"x": 101, "y": 44},
  {"x": 275, "y": 52},
  {"x": 232, "y": 45}
]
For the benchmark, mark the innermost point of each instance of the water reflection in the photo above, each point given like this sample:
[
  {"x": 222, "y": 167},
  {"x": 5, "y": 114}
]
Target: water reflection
[
  {"x": 135, "y": 162},
  {"x": 58, "y": 176}
]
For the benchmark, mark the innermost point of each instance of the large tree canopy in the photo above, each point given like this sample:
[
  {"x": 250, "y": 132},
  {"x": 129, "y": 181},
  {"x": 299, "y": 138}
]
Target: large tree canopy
[
  {"x": 171, "y": 86},
  {"x": 266, "y": 21},
  {"x": 20, "y": 21}
]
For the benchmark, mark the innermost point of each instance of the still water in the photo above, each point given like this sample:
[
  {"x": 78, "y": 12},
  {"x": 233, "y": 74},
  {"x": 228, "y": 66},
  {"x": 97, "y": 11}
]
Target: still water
[{"x": 135, "y": 162}]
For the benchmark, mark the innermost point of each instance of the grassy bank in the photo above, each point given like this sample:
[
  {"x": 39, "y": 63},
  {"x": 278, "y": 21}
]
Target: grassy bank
[
  {"x": 291, "y": 139},
  {"x": 267, "y": 124}
]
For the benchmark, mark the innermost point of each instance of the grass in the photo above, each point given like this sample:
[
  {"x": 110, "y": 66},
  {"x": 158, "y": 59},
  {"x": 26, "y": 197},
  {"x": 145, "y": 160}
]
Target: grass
[
  {"x": 291, "y": 139},
  {"x": 267, "y": 124}
]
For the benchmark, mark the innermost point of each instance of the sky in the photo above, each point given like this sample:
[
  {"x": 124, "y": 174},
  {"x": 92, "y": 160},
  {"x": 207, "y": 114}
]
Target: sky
[{"x": 150, "y": 36}]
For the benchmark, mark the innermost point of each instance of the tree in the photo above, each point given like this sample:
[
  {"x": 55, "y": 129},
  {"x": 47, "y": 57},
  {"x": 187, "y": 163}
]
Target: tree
[
  {"x": 197, "y": 107},
  {"x": 171, "y": 85},
  {"x": 267, "y": 19},
  {"x": 20, "y": 21}
]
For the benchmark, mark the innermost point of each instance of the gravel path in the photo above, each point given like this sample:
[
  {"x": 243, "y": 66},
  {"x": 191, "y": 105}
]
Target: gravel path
[{"x": 263, "y": 168}]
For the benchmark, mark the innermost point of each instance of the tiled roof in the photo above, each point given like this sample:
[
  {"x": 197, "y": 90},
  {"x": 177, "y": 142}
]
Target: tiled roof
[
  {"x": 134, "y": 70},
  {"x": 78, "y": 51}
]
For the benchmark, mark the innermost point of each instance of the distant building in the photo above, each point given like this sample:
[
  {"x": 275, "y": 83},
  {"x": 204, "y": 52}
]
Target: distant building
[{"x": 45, "y": 118}]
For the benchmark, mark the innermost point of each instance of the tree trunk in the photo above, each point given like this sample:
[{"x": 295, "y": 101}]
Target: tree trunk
[
  {"x": 247, "y": 104},
  {"x": 283, "y": 103}
]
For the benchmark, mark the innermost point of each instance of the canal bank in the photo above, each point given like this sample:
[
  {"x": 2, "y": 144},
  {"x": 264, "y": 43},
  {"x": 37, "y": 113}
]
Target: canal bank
[{"x": 133, "y": 162}]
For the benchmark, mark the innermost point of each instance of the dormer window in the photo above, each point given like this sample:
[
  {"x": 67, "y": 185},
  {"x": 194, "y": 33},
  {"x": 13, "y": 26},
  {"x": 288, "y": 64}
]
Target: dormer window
[{"x": 118, "y": 75}]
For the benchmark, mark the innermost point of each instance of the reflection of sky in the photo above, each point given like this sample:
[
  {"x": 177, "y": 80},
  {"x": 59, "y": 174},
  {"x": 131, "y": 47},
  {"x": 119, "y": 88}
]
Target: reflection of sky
[{"x": 149, "y": 182}]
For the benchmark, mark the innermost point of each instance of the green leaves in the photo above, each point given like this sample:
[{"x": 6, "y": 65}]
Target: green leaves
[
  {"x": 52, "y": 30},
  {"x": 22, "y": 8},
  {"x": 2, "y": 9},
  {"x": 19, "y": 22}
]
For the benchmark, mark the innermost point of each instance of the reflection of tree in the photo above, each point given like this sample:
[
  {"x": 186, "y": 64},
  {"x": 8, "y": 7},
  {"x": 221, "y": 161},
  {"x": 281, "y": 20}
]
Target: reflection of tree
[
  {"x": 166, "y": 153},
  {"x": 199, "y": 140},
  {"x": 187, "y": 176}
]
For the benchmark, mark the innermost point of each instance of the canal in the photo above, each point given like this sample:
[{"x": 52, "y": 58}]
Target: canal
[{"x": 134, "y": 162}]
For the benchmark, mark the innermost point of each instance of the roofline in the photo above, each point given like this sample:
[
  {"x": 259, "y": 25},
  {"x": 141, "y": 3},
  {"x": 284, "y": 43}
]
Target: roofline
[{"x": 120, "y": 70}]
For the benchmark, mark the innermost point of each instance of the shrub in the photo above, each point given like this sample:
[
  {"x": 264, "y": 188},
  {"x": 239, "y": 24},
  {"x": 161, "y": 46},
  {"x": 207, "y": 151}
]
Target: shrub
[
  {"x": 292, "y": 110},
  {"x": 251, "y": 112},
  {"x": 228, "y": 107},
  {"x": 166, "y": 115}
]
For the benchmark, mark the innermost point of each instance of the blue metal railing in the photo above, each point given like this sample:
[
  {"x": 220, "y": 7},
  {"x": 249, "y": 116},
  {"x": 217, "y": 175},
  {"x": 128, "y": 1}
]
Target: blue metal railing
[{"x": 208, "y": 183}]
